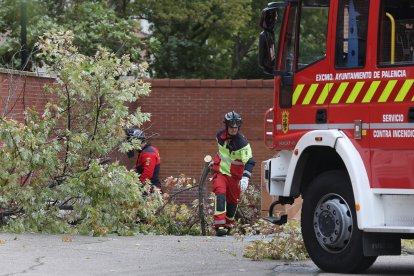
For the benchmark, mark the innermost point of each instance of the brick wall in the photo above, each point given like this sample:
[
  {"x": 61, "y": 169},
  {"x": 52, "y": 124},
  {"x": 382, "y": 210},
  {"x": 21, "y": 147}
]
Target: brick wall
[
  {"x": 185, "y": 116},
  {"x": 14, "y": 99}
]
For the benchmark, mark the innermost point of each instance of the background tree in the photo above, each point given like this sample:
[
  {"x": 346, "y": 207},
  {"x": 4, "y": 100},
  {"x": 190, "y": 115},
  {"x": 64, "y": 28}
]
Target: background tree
[
  {"x": 94, "y": 24},
  {"x": 191, "y": 39},
  {"x": 214, "y": 38},
  {"x": 38, "y": 22}
]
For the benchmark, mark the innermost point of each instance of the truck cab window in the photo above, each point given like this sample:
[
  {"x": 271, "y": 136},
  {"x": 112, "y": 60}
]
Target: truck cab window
[
  {"x": 396, "y": 34},
  {"x": 312, "y": 33},
  {"x": 288, "y": 59},
  {"x": 288, "y": 53},
  {"x": 351, "y": 34}
]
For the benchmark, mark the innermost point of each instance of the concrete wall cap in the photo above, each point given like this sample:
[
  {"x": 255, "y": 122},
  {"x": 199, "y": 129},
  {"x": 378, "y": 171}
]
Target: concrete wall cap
[{"x": 225, "y": 83}]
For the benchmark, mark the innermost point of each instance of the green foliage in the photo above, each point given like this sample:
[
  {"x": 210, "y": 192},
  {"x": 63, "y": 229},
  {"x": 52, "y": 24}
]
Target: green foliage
[
  {"x": 212, "y": 37},
  {"x": 249, "y": 206},
  {"x": 56, "y": 157},
  {"x": 407, "y": 246},
  {"x": 249, "y": 68},
  {"x": 189, "y": 39},
  {"x": 95, "y": 24},
  {"x": 313, "y": 34},
  {"x": 180, "y": 219},
  {"x": 176, "y": 219},
  {"x": 38, "y": 22},
  {"x": 287, "y": 244},
  {"x": 111, "y": 200}
]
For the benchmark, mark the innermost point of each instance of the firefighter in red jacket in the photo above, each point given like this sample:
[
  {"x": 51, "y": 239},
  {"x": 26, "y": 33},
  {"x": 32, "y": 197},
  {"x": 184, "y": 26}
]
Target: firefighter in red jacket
[
  {"x": 232, "y": 168},
  {"x": 148, "y": 162}
]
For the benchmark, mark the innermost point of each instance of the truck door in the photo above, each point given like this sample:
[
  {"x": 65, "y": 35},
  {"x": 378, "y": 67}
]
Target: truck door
[
  {"x": 392, "y": 107},
  {"x": 304, "y": 72},
  {"x": 352, "y": 78}
]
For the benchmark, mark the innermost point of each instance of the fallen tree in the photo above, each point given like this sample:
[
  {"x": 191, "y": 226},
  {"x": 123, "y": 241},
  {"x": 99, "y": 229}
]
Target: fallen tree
[{"x": 57, "y": 155}]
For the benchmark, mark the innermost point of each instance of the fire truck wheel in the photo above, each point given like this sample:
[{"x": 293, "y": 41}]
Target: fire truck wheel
[{"x": 329, "y": 225}]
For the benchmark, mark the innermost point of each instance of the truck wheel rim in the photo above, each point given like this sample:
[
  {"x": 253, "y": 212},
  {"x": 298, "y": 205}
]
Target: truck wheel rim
[{"x": 332, "y": 223}]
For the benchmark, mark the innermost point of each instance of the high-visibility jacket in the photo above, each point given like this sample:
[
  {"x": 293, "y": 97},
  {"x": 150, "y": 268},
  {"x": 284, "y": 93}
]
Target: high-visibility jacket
[
  {"x": 148, "y": 165},
  {"x": 234, "y": 156}
]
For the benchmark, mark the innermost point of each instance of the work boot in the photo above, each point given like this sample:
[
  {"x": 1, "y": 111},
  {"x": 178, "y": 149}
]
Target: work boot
[
  {"x": 228, "y": 227},
  {"x": 221, "y": 231}
]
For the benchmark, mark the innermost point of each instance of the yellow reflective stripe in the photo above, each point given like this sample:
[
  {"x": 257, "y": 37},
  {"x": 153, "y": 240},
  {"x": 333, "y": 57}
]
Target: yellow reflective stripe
[
  {"x": 228, "y": 160},
  {"x": 371, "y": 91},
  {"x": 297, "y": 93},
  {"x": 325, "y": 92},
  {"x": 310, "y": 93},
  {"x": 235, "y": 211},
  {"x": 340, "y": 92},
  {"x": 354, "y": 94},
  {"x": 224, "y": 163},
  {"x": 404, "y": 90},
  {"x": 387, "y": 91}
]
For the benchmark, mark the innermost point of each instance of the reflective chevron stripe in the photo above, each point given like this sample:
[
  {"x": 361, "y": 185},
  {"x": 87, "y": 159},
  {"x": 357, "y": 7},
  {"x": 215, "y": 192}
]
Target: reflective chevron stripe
[{"x": 356, "y": 92}]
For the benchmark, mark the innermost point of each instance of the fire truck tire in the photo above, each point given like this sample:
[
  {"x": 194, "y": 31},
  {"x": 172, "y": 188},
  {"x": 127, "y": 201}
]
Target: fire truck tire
[{"x": 329, "y": 225}]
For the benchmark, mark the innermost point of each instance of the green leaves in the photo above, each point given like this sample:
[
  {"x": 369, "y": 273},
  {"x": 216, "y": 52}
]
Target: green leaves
[
  {"x": 201, "y": 39},
  {"x": 287, "y": 244},
  {"x": 187, "y": 38},
  {"x": 54, "y": 159},
  {"x": 94, "y": 24}
]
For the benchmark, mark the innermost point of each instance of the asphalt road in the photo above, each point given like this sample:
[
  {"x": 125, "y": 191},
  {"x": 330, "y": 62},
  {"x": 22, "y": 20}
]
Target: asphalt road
[{"x": 33, "y": 254}]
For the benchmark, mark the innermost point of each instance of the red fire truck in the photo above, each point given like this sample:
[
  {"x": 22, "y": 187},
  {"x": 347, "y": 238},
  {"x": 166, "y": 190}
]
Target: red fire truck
[{"x": 342, "y": 124}]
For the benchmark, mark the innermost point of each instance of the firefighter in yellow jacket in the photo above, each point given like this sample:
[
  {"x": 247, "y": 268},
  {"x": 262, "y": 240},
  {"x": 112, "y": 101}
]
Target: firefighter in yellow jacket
[{"x": 232, "y": 168}]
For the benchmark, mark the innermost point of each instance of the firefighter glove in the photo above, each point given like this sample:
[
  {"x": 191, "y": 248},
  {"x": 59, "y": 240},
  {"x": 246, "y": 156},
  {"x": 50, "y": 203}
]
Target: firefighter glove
[{"x": 244, "y": 182}]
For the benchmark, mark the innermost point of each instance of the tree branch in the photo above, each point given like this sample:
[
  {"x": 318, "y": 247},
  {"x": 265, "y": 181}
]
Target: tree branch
[
  {"x": 171, "y": 198},
  {"x": 99, "y": 104},
  {"x": 68, "y": 127}
]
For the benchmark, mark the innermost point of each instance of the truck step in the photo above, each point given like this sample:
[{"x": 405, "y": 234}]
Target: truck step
[
  {"x": 279, "y": 178},
  {"x": 277, "y": 220}
]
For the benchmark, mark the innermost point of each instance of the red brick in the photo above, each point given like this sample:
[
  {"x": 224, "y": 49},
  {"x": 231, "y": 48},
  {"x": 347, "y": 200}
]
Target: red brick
[
  {"x": 208, "y": 83},
  {"x": 254, "y": 83},
  {"x": 239, "y": 83},
  {"x": 268, "y": 83},
  {"x": 193, "y": 82},
  {"x": 224, "y": 83},
  {"x": 160, "y": 82},
  {"x": 177, "y": 83}
]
